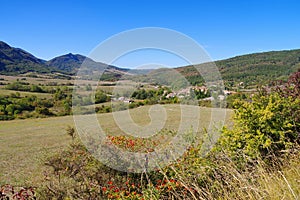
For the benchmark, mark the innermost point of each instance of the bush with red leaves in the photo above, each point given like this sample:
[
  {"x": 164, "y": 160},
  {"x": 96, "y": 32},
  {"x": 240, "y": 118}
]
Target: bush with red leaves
[{"x": 8, "y": 192}]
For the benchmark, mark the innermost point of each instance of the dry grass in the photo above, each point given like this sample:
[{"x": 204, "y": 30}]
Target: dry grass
[
  {"x": 226, "y": 181},
  {"x": 284, "y": 183},
  {"x": 25, "y": 143},
  {"x": 42, "y": 80},
  {"x": 23, "y": 94}
]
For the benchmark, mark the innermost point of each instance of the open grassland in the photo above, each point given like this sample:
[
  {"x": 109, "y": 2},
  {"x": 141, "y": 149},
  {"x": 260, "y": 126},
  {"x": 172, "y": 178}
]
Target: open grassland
[
  {"x": 24, "y": 94},
  {"x": 24, "y": 144},
  {"x": 48, "y": 83},
  {"x": 32, "y": 80},
  {"x": 47, "y": 80},
  {"x": 140, "y": 116}
]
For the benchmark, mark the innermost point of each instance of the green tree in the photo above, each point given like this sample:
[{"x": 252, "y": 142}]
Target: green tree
[
  {"x": 101, "y": 97},
  {"x": 10, "y": 109},
  {"x": 36, "y": 88}
]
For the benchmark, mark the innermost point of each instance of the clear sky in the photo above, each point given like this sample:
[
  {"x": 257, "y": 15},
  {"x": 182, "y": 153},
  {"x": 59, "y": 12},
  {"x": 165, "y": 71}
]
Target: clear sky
[{"x": 224, "y": 28}]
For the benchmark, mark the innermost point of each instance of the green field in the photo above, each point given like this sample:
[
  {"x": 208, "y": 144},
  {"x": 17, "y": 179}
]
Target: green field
[
  {"x": 23, "y": 94},
  {"x": 24, "y": 144}
]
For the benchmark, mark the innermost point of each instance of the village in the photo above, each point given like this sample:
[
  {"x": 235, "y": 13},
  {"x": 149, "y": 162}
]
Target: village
[{"x": 201, "y": 93}]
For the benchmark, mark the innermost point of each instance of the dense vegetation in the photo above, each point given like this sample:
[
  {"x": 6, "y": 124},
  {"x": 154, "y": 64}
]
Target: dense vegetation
[
  {"x": 252, "y": 69},
  {"x": 17, "y": 106},
  {"x": 14, "y": 106}
]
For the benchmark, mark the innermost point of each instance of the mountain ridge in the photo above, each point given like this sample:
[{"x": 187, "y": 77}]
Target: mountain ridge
[
  {"x": 252, "y": 69},
  {"x": 14, "y": 61}
]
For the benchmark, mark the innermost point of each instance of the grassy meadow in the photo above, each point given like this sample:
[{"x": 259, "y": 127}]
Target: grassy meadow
[{"x": 24, "y": 144}]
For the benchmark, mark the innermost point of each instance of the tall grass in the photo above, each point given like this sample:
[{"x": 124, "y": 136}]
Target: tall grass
[{"x": 75, "y": 174}]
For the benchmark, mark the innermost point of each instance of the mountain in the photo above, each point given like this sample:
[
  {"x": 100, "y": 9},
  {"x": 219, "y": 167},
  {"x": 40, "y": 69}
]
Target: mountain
[
  {"x": 251, "y": 69},
  {"x": 71, "y": 63},
  {"x": 68, "y": 63},
  {"x": 17, "y": 55},
  {"x": 15, "y": 60}
]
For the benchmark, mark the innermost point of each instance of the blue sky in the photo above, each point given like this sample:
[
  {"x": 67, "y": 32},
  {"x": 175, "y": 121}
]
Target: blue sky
[{"x": 224, "y": 28}]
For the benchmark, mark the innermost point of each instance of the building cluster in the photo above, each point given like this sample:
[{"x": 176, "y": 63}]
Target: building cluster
[{"x": 183, "y": 93}]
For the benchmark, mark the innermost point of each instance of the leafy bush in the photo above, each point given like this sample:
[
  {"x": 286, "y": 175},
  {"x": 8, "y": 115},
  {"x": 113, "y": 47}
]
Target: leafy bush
[
  {"x": 23, "y": 86},
  {"x": 9, "y": 192},
  {"x": 266, "y": 125},
  {"x": 101, "y": 97},
  {"x": 291, "y": 88},
  {"x": 76, "y": 174}
]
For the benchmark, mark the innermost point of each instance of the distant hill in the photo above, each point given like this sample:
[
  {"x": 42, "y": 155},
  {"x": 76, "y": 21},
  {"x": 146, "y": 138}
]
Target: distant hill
[
  {"x": 68, "y": 63},
  {"x": 14, "y": 61},
  {"x": 11, "y": 54},
  {"x": 251, "y": 69}
]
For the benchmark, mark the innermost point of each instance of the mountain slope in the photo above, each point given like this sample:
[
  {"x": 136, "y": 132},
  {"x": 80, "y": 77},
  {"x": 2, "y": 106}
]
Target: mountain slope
[
  {"x": 68, "y": 63},
  {"x": 15, "y": 60},
  {"x": 17, "y": 54},
  {"x": 252, "y": 69},
  {"x": 71, "y": 63}
]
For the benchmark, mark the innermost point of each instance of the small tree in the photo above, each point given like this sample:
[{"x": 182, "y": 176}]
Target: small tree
[{"x": 71, "y": 132}]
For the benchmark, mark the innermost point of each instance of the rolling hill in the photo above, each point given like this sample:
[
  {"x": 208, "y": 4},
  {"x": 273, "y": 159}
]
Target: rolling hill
[{"x": 251, "y": 69}]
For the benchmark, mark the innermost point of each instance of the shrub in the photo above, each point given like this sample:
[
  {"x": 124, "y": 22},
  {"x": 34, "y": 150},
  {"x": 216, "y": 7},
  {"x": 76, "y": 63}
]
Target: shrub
[
  {"x": 268, "y": 124},
  {"x": 291, "y": 88},
  {"x": 76, "y": 174},
  {"x": 9, "y": 192},
  {"x": 101, "y": 97},
  {"x": 43, "y": 111}
]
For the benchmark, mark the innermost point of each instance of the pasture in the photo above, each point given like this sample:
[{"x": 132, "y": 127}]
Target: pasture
[{"x": 25, "y": 144}]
